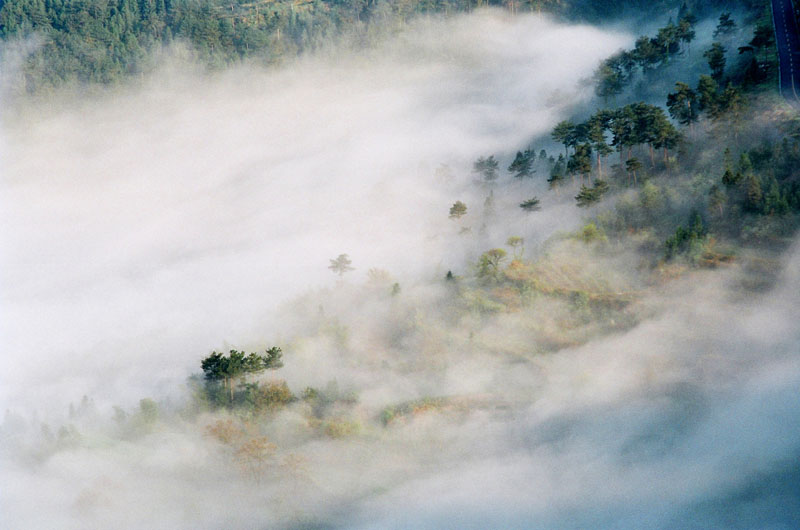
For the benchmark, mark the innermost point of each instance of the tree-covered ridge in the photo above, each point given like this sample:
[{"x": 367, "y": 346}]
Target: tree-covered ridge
[
  {"x": 730, "y": 154},
  {"x": 102, "y": 41},
  {"x": 703, "y": 176}
]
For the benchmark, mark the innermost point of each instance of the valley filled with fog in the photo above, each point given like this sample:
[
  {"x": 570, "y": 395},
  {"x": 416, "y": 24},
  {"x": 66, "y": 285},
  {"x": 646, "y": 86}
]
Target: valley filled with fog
[{"x": 191, "y": 211}]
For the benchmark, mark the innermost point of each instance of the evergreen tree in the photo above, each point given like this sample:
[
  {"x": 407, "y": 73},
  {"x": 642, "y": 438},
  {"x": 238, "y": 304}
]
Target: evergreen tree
[
  {"x": 597, "y": 136},
  {"x": 581, "y": 161},
  {"x": 530, "y": 205},
  {"x": 590, "y": 196},
  {"x": 647, "y": 53},
  {"x": 774, "y": 202},
  {"x": 458, "y": 210},
  {"x": 632, "y": 165},
  {"x": 725, "y": 26},
  {"x": 686, "y": 32},
  {"x": 522, "y": 166},
  {"x": 716, "y": 60},
  {"x": 341, "y": 265},
  {"x": 227, "y": 369},
  {"x": 717, "y": 199},
  {"x": 682, "y": 104},
  {"x": 563, "y": 133},
  {"x": 708, "y": 96},
  {"x": 753, "y": 194},
  {"x": 763, "y": 37},
  {"x": 558, "y": 172},
  {"x": 486, "y": 167},
  {"x": 623, "y": 130}
]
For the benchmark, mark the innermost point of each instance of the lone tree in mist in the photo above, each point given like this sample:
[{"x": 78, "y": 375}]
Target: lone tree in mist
[
  {"x": 227, "y": 369},
  {"x": 486, "y": 167},
  {"x": 489, "y": 264},
  {"x": 517, "y": 246},
  {"x": 458, "y": 210},
  {"x": 341, "y": 265},
  {"x": 725, "y": 26},
  {"x": 530, "y": 205}
]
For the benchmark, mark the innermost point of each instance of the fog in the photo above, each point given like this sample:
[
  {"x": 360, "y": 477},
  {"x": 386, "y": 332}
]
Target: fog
[
  {"x": 689, "y": 421},
  {"x": 153, "y": 225},
  {"x": 194, "y": 211}
]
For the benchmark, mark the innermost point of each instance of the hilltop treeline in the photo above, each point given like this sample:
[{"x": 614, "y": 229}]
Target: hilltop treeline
[{"x": 104, "y": 41}]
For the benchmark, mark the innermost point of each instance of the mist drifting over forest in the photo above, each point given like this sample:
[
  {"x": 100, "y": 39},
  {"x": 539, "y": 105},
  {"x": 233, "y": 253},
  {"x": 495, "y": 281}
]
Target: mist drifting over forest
[
  {"x": 192, "y": 207},
  {"x": 587, "y": 385}
]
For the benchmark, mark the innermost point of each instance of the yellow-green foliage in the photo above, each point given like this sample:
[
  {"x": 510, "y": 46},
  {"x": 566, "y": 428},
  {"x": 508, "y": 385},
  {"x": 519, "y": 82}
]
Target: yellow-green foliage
[
  {"x": 341, "y": 428},
  {"x": 270, "y": 395},
  {"x": 591, "y": 233},
  {"x": 403, "y": 410}
]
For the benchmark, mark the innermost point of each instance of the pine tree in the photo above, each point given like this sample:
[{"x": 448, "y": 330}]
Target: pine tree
[
  {"x": 708, "y": 96},
  {"x": 753, "y": 193},
  {"x": 563, "y": 134},
  {"x": 341, "y": 265},
  {"x": 716, "y": 60},
  {"x": 487, "y": 168},
  {"x": 682, "y": 104},
  {"x": 725, "y": 26},
  {"x": 522, "y": 166},
  {"x": 458, "y": 210},
  {"x": 530, "y": 205}
]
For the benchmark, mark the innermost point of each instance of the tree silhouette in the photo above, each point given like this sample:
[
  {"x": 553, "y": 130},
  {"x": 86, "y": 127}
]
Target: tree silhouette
[
  {"x": 563, "y": 134},
  {"x": 341, "y": 265},
  {"x": 218, "y": 367},
  {"x": 530, "y": 205},
  {"x": 486, "y": 167},
  {"x": 725, "y": 26},
  {"x": 716, "y": 60},
  {"x": 458, "y": 210},
  {"x": 522, "y": 166},
  {"x": 682, "y": 104}
]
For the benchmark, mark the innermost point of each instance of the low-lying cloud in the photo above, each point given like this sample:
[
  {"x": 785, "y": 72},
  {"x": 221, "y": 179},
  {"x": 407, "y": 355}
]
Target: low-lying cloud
[
  {"x": 147, "y": 227},
  {"x": 142, "y": 230}
]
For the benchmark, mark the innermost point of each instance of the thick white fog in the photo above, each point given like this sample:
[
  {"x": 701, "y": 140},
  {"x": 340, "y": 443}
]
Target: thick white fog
[
  {"x": 144, "y": 229},
  {"x": 688, "y": 421}
]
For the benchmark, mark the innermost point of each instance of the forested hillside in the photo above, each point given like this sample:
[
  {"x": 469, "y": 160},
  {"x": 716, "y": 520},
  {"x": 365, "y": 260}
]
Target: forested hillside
[
  {"x": 466, "y": 268},
  {"x": 102, "y": 41}
]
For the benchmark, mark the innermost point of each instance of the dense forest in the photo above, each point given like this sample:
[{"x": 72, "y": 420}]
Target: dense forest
[{"x": 99, "y": 41}]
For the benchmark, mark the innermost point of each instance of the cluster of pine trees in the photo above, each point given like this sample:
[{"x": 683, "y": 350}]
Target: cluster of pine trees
[{"x": 750, "y": 197}]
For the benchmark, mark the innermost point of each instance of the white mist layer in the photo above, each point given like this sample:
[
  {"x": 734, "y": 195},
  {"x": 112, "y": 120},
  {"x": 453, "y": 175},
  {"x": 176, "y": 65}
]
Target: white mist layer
[
  {"x": 145, "y": 229},
  {"x": 690, "y": 420}
]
